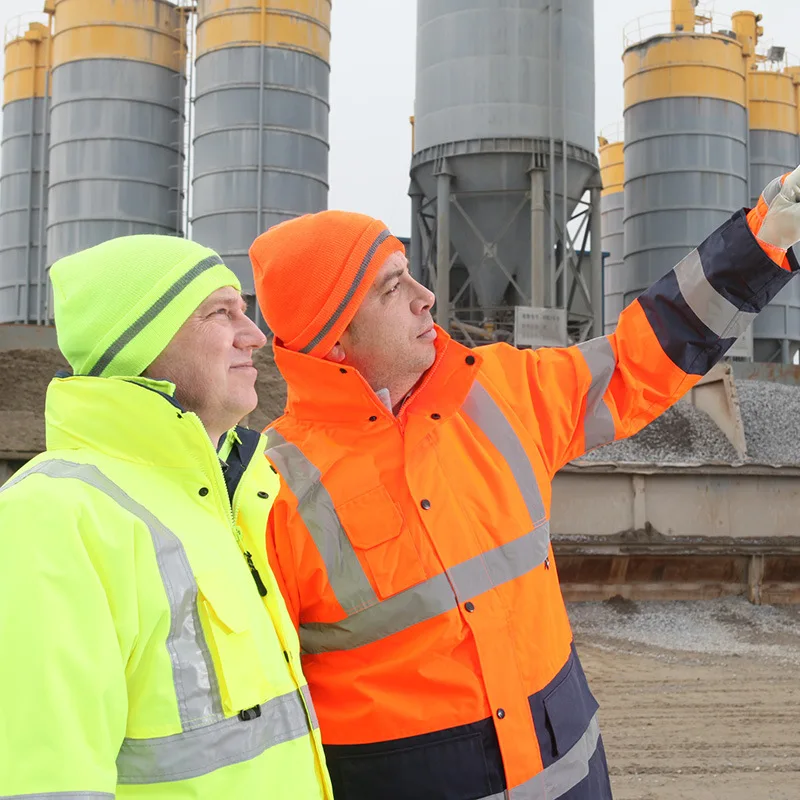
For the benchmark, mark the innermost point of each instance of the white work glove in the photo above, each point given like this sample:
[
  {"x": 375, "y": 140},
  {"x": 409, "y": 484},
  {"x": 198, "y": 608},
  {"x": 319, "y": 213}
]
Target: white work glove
[{"x": 780, "y": 212}]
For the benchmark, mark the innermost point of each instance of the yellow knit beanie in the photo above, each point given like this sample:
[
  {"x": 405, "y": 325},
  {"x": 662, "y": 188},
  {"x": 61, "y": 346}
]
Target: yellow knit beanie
[{"x": 117, "y": 305}]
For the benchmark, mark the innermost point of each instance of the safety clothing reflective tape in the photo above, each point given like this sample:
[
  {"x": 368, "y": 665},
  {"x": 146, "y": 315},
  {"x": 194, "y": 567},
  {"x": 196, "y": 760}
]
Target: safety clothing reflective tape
[
  {"x": 60, "y": 796},
  {"x": 598, "y": 424},
  {"x": 198, "y": 752},
  {"x": 430, "y": 598},
  {"x": 376, "y": 620},
  {"x": 199, "y": 701},
  {"x": 205, "y": 729},
  {"x": 561, "y": 776},
  {"x": 362, "y": 269},
  {"x": 716, "y": 312},
  {"x": 488, "y": 416},
  {"x": 315, "y": 506}
]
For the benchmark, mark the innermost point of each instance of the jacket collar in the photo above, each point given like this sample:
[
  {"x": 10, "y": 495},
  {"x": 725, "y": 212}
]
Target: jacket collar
[
  {"x": 322, "y": 391},
  {"x": 130, "y": 419}
]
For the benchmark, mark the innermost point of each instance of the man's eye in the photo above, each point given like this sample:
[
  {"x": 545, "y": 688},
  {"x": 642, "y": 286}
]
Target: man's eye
[{"x": 393, "y": 289}]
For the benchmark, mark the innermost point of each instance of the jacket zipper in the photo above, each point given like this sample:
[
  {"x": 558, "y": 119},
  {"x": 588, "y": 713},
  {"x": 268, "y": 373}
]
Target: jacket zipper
[{"x": 222, "y": 492}]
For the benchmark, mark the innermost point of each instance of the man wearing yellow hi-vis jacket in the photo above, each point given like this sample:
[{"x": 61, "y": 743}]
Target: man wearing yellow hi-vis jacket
[{"x": 146, "y": 650}]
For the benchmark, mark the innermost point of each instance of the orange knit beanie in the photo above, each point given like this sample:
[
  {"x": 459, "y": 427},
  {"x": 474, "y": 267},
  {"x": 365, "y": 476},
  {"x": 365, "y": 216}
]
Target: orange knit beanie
[{"x": 311, "y": 274}]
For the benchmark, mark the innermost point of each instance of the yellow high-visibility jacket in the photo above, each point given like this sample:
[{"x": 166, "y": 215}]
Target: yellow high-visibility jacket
[{"x": 146, "y": 650}]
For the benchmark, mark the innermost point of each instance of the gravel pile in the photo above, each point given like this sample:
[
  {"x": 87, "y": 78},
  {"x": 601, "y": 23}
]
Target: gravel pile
[
  {"x": 729, "y": 626},
  {"x": 683, "y": 434},
  {"x": 771, "y": 417}
]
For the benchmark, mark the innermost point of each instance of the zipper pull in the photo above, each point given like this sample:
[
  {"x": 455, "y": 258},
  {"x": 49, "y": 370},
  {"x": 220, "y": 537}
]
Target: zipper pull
[{"x": 262, "y": 590}]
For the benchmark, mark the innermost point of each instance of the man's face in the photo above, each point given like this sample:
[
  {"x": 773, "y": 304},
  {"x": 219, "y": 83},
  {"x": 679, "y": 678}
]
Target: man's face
[
  {"x": 210, "y": 361},
  {"x": 391, "y": 338}
]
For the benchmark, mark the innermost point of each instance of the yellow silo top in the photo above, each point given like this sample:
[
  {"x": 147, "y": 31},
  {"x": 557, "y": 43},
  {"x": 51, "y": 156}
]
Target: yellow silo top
[
  {"x": 26, "y": 64},
  {"x": 136, "y": 30},
  {"x": 303, "y": 25}
]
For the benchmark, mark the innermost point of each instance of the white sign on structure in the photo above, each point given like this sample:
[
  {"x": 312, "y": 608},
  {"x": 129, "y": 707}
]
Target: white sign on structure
[
  {"x": 743, "y": 346},
  {"x": 540, "y": 327}
]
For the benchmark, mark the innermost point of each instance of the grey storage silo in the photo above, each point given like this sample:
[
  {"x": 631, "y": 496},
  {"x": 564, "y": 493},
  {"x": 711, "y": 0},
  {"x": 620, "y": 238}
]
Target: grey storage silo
[
  {"x": 612, "y": 173},
  {"x": 261, "y": 120},
  {"x": 117, "y": 122},
  {"x": 504, "y": 112},
  {"x": 685, "y": 146},
  {"x": 772, "y": 104},
  {"x": 23, "y": 174}
]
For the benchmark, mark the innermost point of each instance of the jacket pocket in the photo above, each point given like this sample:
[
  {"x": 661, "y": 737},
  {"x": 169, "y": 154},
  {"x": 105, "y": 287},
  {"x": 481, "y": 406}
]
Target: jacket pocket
[
  {"x": 376, "y": 529},
  {"x": 228, "y": 624},
  {"x": 569, "y": 708}
]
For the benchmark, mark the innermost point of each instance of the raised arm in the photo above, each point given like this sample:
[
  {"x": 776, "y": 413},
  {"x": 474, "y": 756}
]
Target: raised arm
[{"x": 608, "y": 388}]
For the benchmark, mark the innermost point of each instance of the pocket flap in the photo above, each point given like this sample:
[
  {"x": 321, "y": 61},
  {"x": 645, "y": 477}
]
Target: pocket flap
[
  {"x": 222, "y": 596},
  {"x": 371, "y": 518},
  {"x": 569, "y": 708}
]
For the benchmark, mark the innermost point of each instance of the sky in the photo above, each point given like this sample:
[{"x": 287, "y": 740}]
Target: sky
[{"x": 372, "y": 88}]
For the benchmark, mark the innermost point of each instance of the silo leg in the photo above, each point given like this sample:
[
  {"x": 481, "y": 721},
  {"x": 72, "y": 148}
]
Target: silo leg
[
  {"x": 596, "y": 262},
  {"x": 443, "y": 250},
  {"x": 537, "y": 239}
]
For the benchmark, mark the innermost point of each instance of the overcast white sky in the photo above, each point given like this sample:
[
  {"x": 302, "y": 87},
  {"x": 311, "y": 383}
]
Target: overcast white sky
[{"x": 372, "y": 88}]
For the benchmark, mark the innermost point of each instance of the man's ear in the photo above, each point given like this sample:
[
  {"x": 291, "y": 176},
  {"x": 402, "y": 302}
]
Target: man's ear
[{"x": 337, "y": 354}]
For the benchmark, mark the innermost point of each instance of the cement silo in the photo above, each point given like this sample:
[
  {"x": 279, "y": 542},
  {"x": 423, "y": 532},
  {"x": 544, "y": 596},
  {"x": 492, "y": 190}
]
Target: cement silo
[
  {"x": 686, "y": 164},
  {"x": 117, "y": 122},
  {"x": 261, "y": 120},
  {"x": 612, "y": 174},
  {"x": 503, "y": 154},
  {"x": 23, "y": 174},
  {"x": 772, "y": 104}
]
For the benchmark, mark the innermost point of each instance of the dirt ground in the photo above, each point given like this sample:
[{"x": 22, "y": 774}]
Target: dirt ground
[{"x": 698, "y": 701}]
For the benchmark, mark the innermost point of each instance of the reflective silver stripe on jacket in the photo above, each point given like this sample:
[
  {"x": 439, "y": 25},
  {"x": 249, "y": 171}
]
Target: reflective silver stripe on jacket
[
  {"x": 59, "y": 795},
  {"x": 198, "y": 752},
  {"x": 716, "y": 312},
  {"x": 562, "y": 775},
  {"x": 431, "y": 597},
  {"x": 487, "y": 415},
  {"x": 195, "y": 681},
  {"x": 315, "y": 506},
  {"x": 206, "y": 730},
  {"x": 598, "y": 424}
]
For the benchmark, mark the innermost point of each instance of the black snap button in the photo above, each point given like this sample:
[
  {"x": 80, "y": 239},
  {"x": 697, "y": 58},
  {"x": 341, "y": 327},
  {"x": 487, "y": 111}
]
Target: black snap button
[
  {"x": 203, "y": 491},
  {"x": 470, "y": 360},
  {"x": 426, "y": 504},
  {"x": 263, "y": 495},
  {"x": 469, "y": 606},
  {"x": 180, "y": 416},
  {"x": 286, "y": 656},
  {"x": 500, "y": 713},
  {"x": 436, "y": 416},
  {"x": 343, "y": 370},
  {"x": 373, "y": 418}
]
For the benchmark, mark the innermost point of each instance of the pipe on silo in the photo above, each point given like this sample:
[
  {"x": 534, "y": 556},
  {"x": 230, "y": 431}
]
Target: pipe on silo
[
  {"x": 443, "y": 247},
  {"x": 612, "y": 176},
  {"x": 22, "y": 204},
  {"x": 261, "y": 120}
]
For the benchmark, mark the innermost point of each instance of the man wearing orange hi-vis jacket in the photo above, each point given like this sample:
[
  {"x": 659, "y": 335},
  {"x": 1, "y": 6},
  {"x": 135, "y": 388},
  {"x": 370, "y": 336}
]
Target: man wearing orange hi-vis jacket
[{"x": 411, "y": 533}]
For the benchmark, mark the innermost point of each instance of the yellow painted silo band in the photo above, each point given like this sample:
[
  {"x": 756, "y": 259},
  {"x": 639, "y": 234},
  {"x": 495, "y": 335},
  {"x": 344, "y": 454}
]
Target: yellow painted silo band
[
  {"x": 292, "y": 31},
  {"x": 773, "y": 104},
  {"x": 25, "y": 68},
  {"x": 684, "y": 65},
  {"x": 794, "y": 74},
  {"x": 137, "y": 30},
  {"x": 612, "y": 168},
  {"x": 315, "y": 9}
]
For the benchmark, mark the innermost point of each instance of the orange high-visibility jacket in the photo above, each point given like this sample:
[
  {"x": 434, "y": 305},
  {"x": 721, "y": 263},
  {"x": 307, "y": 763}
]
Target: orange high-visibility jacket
[{"x": 414, "y": 550}]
